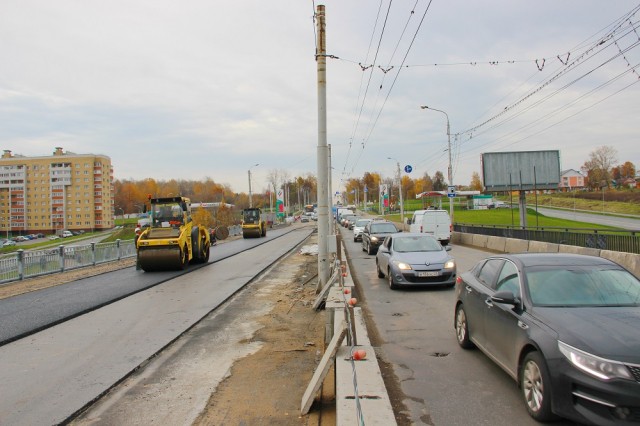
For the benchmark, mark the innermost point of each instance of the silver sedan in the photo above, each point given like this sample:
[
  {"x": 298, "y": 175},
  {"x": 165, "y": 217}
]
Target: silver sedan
[{"x": 414, "y": 259}]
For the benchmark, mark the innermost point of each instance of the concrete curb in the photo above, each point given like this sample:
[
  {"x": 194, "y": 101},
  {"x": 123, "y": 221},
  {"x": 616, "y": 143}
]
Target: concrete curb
[{"x": 373, "y": 399}]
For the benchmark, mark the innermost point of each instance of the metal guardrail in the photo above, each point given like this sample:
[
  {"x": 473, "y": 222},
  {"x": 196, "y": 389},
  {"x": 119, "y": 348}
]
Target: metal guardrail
[
  {"x": 27, "y": 264},
  {"x": 22, "y": 264},
  {"x": 622, "y": 241}
]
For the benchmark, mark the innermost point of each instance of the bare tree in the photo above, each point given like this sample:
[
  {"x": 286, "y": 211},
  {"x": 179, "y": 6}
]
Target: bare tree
[{"x": 598, "y": 167}]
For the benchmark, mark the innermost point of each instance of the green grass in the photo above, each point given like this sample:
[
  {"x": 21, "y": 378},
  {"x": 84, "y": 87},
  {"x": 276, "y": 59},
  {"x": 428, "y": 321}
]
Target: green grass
[
  {"x": 46, "y": 242},
  {"x": 508, "y": 217},
  {"x": 503, "y": 217}
]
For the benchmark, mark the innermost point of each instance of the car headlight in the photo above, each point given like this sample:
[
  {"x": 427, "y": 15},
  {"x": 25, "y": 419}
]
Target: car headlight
[
  {"x": 374, "y": 239},
  {"x": 450, "y": 264},
  {"x": 598, "y": 367},
  {"x": 402, "y": 266}
]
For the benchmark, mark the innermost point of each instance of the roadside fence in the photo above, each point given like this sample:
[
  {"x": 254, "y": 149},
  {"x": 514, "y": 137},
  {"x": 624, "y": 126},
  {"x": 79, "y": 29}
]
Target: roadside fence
[
  {"x": 601, "y": 239},
  {"x": 27, "y": 264},
  {"x": 22, "y": 264}
]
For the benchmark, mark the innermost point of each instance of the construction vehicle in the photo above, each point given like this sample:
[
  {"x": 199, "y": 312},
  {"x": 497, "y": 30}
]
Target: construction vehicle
[
  {"x": 172, "y": 240},
  {"x": 253, "y": 224}
]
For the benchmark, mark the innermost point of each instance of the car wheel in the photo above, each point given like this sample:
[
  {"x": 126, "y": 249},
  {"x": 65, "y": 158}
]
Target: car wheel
[
  {"x": 380, "y": 273},
  {"x": 536, "y": 387},
  {"x": 392, "y": 284},
  {"x": 363, "y": 249},
  {"x": 369, "y": 250},
  {"x": 462, "y": 329}
]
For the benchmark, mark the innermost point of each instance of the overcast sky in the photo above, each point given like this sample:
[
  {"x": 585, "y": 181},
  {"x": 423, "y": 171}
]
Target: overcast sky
[{"x": 208, "y": 88}]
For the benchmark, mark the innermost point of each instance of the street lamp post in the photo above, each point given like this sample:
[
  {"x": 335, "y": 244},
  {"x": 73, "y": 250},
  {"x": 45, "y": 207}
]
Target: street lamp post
[
  {"x": 400, "y": 189},
  {"x": 249, "y": 173},
  {"x": 449, "y": 171}
]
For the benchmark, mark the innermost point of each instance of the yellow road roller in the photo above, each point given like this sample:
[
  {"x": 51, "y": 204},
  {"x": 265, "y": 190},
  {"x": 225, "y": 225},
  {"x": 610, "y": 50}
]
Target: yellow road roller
[
  {"x": 172, "y": 240},
  {"x": 253, "y": 224}
]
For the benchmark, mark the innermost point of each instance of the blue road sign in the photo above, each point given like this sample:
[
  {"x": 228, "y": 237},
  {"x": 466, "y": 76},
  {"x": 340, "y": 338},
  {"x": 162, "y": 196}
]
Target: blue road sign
[{"x": 408, "y": 168}]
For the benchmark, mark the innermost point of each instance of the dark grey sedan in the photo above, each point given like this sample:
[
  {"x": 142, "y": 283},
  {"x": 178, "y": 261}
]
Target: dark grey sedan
[
  {"x": 565, "y": 327},
  {"x": 415, "y": 259}
]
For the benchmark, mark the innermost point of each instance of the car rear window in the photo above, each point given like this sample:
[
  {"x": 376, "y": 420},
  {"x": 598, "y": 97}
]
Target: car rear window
[{"x": 383, "y": 228}]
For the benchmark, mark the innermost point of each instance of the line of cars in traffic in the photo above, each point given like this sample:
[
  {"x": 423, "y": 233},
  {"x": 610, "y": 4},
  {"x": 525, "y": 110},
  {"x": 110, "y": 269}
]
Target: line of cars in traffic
[
  {"x": 565, "y": 327},
  {"x": 404, "y": 258}
]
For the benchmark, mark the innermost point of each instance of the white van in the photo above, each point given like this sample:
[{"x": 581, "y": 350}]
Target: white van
[
  {"x": 415, "y": 221},
  {"x": 438, "y": 224},
  {"x": 66, "y": 234}
]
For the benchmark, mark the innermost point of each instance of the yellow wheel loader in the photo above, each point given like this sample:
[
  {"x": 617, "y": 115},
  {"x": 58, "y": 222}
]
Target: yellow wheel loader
[
  {"x": 172, "y": 240},
  {"x": 253, "y": 224}
]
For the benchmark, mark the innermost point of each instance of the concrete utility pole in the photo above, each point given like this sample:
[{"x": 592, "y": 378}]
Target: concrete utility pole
[
  {"x": 323, "y": 155},
  {"x": 400, "y": 189},
  {"x": 330, "y": 192}
]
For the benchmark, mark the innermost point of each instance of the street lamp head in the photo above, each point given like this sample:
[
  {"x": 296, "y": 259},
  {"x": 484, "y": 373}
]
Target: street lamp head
[{"x": 424, "y": 107}]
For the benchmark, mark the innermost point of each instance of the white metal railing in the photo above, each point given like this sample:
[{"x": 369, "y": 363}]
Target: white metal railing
[{"x": 26, "y": 264}]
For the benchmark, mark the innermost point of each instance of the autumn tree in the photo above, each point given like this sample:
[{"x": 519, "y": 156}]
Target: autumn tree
[
  {"x": 476, "y": 182},
  {"x": 224, "y": 216},
  {"x": 439, "y": 182},
  {"x": 408, "y": 187},
  {"x": 353, "y": 188},
  {"x": 423, "y": 184},
  {"x": 627, "y": 170},
  {"x": 372, "y": 182},
  {"x": 202, "y": 217},
  {"x": 598, "y": 167}
]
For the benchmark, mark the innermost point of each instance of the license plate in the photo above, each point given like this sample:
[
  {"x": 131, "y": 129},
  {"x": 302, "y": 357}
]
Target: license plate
[{"x": 429, "y": 274}]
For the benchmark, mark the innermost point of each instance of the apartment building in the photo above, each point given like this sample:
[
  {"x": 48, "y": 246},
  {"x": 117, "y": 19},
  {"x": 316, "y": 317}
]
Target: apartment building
[{"x": 63, "y": 191}]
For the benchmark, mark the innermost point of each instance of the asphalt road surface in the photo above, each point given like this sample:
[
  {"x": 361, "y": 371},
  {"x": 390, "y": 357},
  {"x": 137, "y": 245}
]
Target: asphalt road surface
[
  {"x": 441, "y": 383},
  {"x": 629, "y": 223},
  {"x": 31, "y": 312},
  {"x": 50, "y": 375}
]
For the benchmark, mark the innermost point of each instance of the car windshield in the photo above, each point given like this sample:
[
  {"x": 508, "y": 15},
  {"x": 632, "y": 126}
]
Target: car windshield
[
  {"x": 362, "y": 222},
  {"x": 417, "y": 243},
  {"x": 583, "y": 286},
  {"x": 383, "y": 228}
]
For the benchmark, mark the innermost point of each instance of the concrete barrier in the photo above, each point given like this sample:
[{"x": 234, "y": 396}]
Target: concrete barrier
[
  {"x": 542, "y": 247},
  {"x": 578, "y": 250},
  {"x": 496, "y": 243},
  {"x": 630, "y": 261},
  {"x": 456, "y": 237},
  {"x": 514, "y": 245},
  {"x": 466, "y": 239},
  {"x": 480, "y": 240}
]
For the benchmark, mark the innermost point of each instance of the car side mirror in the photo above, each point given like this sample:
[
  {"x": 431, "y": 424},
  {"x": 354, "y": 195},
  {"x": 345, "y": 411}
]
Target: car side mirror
[
  {"x": 506, "y": 297},
  {"x": 383, "y": 249},
  {"x": 447, "y": 248},
  {"x": 408, "y": 221}
]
